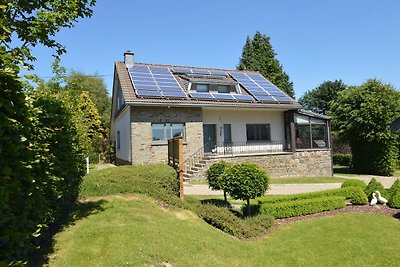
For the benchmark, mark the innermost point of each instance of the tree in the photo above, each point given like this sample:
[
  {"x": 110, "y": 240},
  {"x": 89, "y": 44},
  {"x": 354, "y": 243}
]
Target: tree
[
  {"x": 25, "y": 24},
  {"x": 361, "y": 116},
  {"x": 245, "y": 181},
  {"x": 79, "y": 82},
  {"x": 214, "y": 176},
  {"x": 319, "y": 99},
  {"x": 258, "y": 55}
]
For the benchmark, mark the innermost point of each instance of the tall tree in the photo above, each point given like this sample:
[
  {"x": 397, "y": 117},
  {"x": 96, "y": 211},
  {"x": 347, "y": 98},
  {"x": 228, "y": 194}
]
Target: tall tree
[
  {"x": 362, "y": 114},
  {"x": 79, "y": 82},
  {"x": 258, "y": 55},
  {"x": 319, "y": 99},
  {"x": 25, "y": 24}
]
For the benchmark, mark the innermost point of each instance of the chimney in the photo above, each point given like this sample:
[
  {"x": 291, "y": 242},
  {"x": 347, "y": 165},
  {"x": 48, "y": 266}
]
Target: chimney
[{"x": 128, "y": 59}]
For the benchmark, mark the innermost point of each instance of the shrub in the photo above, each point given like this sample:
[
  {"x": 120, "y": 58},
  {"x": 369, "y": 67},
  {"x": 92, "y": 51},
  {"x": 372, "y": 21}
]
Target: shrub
[
  {"x": 354, "y": 182},
  {"x": 353, "y": 194},
  {"x": 394, "y": 195},
  {"x": 156, "y": 180},
  {"x": 223, "y": 219},
  {"x": 302, "y": 207},
  {"x": 342, "y": 159},
  {"x": 373, "y": 186},
  {"x": 245, "y": 181},
  {"x": 214, "y": 176},
  {"x": 394, "y": 188},
  {"x": 394, "y": 201}
]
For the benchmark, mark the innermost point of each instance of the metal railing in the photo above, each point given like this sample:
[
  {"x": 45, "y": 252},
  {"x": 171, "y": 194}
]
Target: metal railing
[
  {"x": 195, "y": 158},
  {"x": 232, "y": 149},
  {"x": 245, "y": 147}
]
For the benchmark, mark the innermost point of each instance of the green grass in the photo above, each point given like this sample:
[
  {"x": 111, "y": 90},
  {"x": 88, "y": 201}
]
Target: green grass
[
  {"x": 306, "y": 180},
  {"x": 133, "y": 230}
]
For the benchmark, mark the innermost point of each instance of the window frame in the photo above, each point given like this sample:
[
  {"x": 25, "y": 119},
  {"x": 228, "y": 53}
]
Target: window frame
[
  {"x": 167, "y": 127},
  {"x": 258, "y": 134},
  {"x": 313, "y": 145}
]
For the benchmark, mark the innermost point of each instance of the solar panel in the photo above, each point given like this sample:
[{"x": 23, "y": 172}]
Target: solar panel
[
  {"x": 206, "y": 72},
  {"x": 218, "y": 73},
  {"x": 223, "y": 96},
  {"x": 260, "y": 88},
  {"x": 174, "y": 94},
  {"x": 201, "y": 95},
  {"x": 148, "y": 93},
  {"x": 265, "y": 98},
  {"x": 181, "y": 70},
  {"x": 284, "y": 99},
  {"x": 244, "y": 97},
  {"x": 155, "y": 81}
]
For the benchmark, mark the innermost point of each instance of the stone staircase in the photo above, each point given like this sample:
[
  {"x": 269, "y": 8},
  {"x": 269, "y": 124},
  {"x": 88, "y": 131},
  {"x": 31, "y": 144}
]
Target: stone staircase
[{"x": 197, "y": 171}]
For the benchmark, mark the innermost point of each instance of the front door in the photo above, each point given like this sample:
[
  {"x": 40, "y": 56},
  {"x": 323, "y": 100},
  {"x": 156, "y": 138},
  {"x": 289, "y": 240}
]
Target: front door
[{"x": 209, "y": 137}]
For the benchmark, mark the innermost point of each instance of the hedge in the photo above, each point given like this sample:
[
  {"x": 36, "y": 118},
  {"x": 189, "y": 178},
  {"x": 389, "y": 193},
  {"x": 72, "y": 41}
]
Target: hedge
[
  {"x": 354, "y": 182},
  {"x": 224, "y": 220},
  {"x": 353, "y": 194},
  {"x": 342, "y": 159},
  {"x": 299, "y": 207}
]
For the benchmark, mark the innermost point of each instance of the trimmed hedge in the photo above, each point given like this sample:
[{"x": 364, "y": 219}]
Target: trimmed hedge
[
  {"x": 355, "y": 183},
  {"x": 342, "y": 159},
  {"x": 353, "y": 194},
  {"x": 373, "y": 186},
  {"x": 302, "y": 207},
  {"x": 224, "y": 220},
  {"x": 394, "y": 192}
]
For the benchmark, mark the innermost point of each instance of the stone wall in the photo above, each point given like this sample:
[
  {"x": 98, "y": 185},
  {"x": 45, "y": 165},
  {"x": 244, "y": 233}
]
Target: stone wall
[
  {"x": 143, "y": 148},
  {"x": 297, "y": 164}
]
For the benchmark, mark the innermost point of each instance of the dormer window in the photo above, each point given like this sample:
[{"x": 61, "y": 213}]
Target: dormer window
[
  {"x": 213, "y": 88},
  {"x": 202, "y": 88},
  {"x": 224, "y": 88}
]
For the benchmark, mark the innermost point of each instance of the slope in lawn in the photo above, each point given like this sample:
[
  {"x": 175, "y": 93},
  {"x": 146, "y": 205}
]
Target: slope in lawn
[{"x": 133, "y": 230}]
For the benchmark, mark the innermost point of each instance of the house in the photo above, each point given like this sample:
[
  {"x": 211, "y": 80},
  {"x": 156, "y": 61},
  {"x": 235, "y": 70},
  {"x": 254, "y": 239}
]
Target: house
[{"x": 220, "y": 114}]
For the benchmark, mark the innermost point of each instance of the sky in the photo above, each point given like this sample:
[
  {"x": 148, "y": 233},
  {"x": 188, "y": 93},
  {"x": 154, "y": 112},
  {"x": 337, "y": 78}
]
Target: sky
[{"x": 315, "y": 41}]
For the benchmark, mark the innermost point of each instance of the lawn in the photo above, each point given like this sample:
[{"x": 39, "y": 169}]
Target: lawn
[{"x": 133, "y": 230}]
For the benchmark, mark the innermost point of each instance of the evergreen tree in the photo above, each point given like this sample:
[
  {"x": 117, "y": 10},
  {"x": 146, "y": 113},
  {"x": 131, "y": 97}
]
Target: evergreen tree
[
  {"x": 319, "y": 99},
  {"x": 258, "y": 55}
]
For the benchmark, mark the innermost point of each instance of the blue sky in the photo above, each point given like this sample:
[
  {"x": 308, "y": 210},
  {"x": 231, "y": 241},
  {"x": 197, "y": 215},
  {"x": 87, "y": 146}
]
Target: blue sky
[{"x": 315, "y": 41}]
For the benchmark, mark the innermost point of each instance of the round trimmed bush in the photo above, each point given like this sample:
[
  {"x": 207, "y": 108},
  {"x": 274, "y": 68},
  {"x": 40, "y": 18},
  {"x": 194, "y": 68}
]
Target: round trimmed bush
[
  {"x": 214, "y": 174},
  {"x": 354, "y": 183},
  {"x": 245, "y": 181}
]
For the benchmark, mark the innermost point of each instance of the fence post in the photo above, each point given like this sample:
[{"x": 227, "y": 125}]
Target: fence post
[{"x": 181, "y": 167}]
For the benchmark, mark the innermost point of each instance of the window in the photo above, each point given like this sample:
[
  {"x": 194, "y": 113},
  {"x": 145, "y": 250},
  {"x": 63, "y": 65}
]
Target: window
[
  {"x": 202, "y": 88},
  {"x": 258, "y": 132},
  {"x": 164, "y": 131},
  {"x": 311, "y": 133},
  {"x": 223, "y": 89},
  {"x": 118, "y": 140}
]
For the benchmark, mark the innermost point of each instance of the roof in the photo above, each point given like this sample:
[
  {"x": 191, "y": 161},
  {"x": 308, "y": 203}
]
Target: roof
[
  {"x": 395, "y": 126},
  {"x": 313, "y": 114},
  {"x": 129, "y": 91}
]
